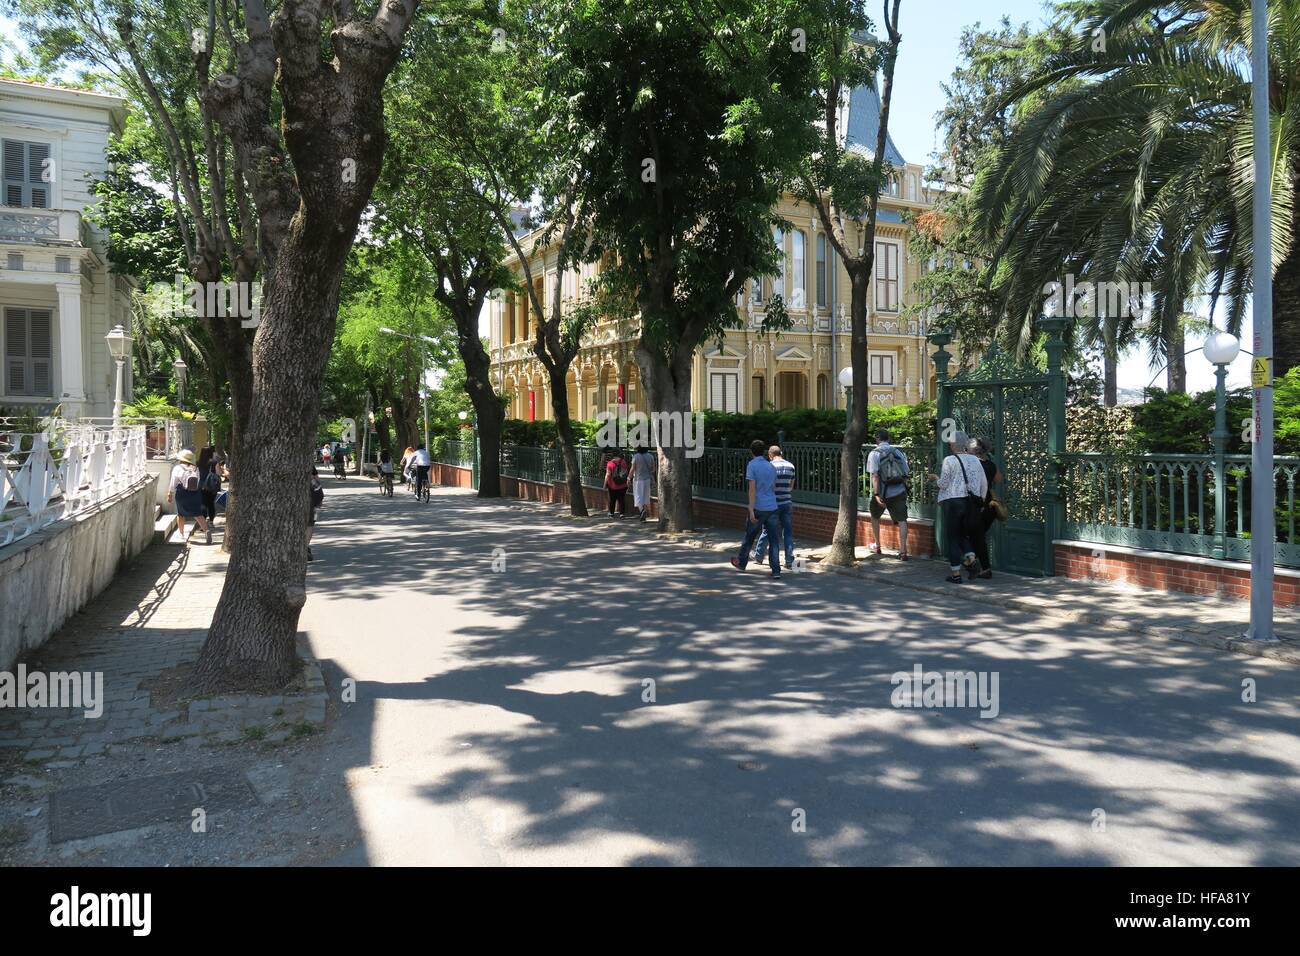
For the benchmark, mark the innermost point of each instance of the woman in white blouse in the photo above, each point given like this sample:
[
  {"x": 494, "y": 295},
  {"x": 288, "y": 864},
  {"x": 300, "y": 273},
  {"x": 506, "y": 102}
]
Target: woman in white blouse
[
  {"x": 961, "y": 483},
  {"x": 188, "y": 496}
]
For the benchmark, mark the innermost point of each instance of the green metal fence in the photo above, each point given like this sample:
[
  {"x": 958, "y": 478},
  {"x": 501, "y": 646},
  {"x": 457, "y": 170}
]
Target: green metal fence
[
  {"x": 719, "y": 473},
  {"x": 1167, "y": 503},
  {"x": 458, "y": 453}
]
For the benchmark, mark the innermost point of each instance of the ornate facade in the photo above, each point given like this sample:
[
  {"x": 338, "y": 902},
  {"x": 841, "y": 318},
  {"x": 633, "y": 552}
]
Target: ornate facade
[{"x": 751, "y": 369}]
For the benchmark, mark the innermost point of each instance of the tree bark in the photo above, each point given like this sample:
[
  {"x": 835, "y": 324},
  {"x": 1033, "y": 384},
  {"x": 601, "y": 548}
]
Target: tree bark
[
  {"x": 251, "y": 642},
  {"x": 844, "y": 541},
  {"x": 1110, "y": 374},
  {"x": 1176, "y": 374},
  {"x": 568, "y": 451},
  {"x": 668, "y": 389},
  {"x": 1286, "y": 311},
  {"x": 309, "y": 205}
]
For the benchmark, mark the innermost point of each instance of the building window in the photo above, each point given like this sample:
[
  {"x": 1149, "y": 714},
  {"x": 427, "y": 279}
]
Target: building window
[
  {"x": 724, "y": 391},
  {"x": 791, "y": 391},
  {"x": 882, "y": 367},
  {"x": 756, "y": 292},
  {"x": 886, "y": 271},
  {"x": 821, "y": 269},
  {"x": 26, "y": 171},
  {"x": 14, "y": 261},
  {"x": 758, "y": 386},
  {"x": 823, "y": 392},
  {"x": 798, "y": 295},
  {"x": 28, "y": 352},
  {"x": 778, "y": 280}
]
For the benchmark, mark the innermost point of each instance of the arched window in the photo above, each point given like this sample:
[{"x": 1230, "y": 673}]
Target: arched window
[{"x": 798, "y": 278}]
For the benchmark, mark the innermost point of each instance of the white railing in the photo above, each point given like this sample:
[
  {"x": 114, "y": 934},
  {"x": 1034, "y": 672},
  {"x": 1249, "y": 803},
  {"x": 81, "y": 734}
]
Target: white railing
[{"x": 62, "y": 470}]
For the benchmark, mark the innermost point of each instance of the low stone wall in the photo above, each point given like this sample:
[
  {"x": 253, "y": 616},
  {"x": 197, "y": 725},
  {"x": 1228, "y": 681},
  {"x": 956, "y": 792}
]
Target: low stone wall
[
  {"x": 49, "y": 576},
  {"x": 1169, "y": 572}
]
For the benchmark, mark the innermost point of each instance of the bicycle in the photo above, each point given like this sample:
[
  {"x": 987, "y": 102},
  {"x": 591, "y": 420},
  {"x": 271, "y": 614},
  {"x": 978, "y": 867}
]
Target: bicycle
[{"x": 385, "y": 484}]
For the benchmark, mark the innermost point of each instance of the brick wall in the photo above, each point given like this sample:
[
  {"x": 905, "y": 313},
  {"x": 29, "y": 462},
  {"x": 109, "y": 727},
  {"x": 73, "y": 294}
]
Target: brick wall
[
  {"x": 812, "y": 524},
  {"x": 1169, "y": 572}
]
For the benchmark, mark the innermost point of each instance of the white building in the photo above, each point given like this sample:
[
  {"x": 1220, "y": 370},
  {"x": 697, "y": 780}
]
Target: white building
[{"x": 57, "y": 296}]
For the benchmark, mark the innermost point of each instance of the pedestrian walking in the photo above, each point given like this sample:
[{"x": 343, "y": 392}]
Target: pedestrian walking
[
  {"x": 209, "y": 483},
  {"x": 961, "y": 498},
  {"x": 785, "y": 475},
  {"x": 185, "y": 491},
  {"x": 887, "y": 470},
  {"x": 760, "y": 477},
  {"x": 316, "y": 495},
  {"x": 616, "y": 478},
  {"x": 643, "y": 469},
  {"x": 989, "y": 513}
]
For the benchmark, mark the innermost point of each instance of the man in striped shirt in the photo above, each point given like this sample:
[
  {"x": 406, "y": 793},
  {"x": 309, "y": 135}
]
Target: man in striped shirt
[{"x": 784, "y": 508}]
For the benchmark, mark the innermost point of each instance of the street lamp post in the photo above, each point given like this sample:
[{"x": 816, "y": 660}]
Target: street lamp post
[
  {"x": 424, "y": 369},
  {"x": 1221, "y": 349},
  {"x": 181, "y": 370},
  {"x": 846, "y": 380},
  {"x": 1263, "y": 537},
  {"x": 119, "y": 346}
]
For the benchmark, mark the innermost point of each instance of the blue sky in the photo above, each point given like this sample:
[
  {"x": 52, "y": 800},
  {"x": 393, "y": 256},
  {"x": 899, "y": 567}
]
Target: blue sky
[{"x": 931, "y": 31}]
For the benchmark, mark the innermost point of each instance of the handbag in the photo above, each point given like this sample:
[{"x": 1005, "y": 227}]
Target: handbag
[
  {"x": 974, "y": 503},
  {"x": 999, "y": 508}
]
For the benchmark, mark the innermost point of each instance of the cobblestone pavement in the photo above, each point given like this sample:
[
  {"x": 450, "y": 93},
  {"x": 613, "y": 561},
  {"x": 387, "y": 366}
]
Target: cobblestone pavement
[{"x": 152, "y": 618}]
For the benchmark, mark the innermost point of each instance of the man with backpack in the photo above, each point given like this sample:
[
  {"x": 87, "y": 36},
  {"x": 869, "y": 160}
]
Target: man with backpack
[{"x": 887, "y": 470}]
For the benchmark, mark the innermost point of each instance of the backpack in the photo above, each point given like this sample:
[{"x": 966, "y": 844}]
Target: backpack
[
  {"x": 212, "y": 482},
  {"x": 192, "y": 482},
  {"x": 620, "y": 471},
  {"x": 892, "y": 468}
]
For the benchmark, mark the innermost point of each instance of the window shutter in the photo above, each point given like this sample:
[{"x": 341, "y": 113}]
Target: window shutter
[
  {"x": 16, "y": 377},
  {"x": 41, "y": 350},
  {"x": 37, "y": 154}
]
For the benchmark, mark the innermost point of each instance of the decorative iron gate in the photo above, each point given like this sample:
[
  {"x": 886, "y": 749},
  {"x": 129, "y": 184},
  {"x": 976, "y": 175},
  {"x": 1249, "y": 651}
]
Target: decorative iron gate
[{"x": 1013, "y": 407}]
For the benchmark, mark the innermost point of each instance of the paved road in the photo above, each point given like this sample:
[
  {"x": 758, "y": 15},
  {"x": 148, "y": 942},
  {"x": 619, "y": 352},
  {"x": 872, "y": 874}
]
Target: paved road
[{"x": 500, "y": 715}]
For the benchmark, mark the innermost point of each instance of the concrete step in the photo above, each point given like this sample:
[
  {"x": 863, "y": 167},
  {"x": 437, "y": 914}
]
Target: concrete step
[{"x": 163, "y": 527}]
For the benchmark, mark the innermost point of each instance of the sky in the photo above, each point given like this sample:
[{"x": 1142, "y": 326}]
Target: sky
[{"x": 931, "y": 30}]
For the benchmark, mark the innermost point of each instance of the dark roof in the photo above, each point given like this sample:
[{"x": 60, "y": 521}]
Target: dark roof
[{"x": 864, "y": 124}]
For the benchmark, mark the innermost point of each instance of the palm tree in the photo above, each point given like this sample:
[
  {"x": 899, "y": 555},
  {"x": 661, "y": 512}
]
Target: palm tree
[{"x": 1133, "y": 163}]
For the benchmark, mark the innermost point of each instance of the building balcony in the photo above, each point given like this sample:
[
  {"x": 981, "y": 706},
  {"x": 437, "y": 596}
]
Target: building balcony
[{"x": 42, "y": 227}]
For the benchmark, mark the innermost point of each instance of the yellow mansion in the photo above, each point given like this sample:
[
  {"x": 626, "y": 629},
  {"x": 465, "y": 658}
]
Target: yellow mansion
[{"x": 751, "y": 369}]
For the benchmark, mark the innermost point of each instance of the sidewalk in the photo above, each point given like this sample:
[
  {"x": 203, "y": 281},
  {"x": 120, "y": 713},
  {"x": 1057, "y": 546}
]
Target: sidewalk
[{"x": 1118, "y": 609}]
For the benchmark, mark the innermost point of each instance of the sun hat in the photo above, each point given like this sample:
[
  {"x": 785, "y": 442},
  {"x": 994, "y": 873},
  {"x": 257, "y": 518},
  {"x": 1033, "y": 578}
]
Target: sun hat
[{"x": 186, "y": 456}]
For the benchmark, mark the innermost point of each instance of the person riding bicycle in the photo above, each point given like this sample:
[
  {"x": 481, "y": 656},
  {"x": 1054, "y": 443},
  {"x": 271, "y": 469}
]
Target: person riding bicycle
[
  {"x": 421, "y": 460},
  {"x": 386, "y": 471}
]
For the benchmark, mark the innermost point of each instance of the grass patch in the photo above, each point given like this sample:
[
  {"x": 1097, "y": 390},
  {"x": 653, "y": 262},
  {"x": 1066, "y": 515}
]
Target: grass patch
[{"x": 255, "y": 733}]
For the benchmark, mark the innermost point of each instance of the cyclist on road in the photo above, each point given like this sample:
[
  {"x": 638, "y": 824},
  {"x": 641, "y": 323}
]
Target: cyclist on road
[
  {"x": 421, "y": 461},
  {"x": 386, "y": 471}
]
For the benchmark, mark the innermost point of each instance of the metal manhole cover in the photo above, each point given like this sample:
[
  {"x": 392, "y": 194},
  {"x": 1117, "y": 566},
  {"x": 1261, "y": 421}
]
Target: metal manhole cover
[{"x": 82, "y": 812}]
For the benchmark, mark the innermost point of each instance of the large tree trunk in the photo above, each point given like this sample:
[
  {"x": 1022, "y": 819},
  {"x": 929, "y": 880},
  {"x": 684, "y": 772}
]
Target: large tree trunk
[
  {"x": 251, "y": 642},
  {"x": 491, "y": 416},
  {"x": 564, "y": 434},
  {"x": 846, "y": 520},
  {"x": 1286, "y": 312},
  {"x": 1176, "y": 374},
  {"x": 1110, "y": 374},
  {"x": 668, "y": 390}
]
